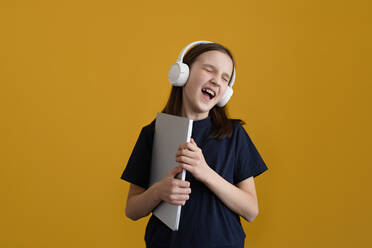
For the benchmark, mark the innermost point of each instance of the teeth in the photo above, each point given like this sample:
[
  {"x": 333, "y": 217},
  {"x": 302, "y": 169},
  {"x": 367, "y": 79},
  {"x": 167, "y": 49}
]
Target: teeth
[{"x": 210, "y": 92}]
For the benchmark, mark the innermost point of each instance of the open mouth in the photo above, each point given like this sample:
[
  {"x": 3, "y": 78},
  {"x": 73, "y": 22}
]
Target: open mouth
[{"x": 209, "y": 92}]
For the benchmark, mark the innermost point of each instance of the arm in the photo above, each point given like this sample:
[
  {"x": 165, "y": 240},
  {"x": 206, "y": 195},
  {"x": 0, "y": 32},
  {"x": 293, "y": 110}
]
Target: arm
[
  {"x": 141, "y": 202},
  {"x": 241, "y": 199}
]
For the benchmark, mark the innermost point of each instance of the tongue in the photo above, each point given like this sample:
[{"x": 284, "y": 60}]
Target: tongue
[{"x": 207, "y": 95}]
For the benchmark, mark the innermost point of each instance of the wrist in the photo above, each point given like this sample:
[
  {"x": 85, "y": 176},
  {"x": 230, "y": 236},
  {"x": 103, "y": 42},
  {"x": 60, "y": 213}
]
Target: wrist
[
  {"x": 208, "y": 175},
  {"x": 154, "y": 192}
]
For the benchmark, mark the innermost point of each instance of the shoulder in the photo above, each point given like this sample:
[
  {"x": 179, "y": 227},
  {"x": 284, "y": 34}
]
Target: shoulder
[
  {"x": 149, "y": 128},
  {"x": 238, "y": 128},
  {"x": 240, "y": 135},
  {"x": 147, "y": 133}
]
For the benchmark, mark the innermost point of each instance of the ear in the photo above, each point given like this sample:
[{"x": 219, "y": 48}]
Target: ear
[{"x": 226, "y": 97}]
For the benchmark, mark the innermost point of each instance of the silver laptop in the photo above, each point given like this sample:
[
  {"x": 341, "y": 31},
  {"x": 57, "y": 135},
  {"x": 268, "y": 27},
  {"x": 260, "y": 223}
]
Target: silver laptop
[{"x": 170, "y": 132}]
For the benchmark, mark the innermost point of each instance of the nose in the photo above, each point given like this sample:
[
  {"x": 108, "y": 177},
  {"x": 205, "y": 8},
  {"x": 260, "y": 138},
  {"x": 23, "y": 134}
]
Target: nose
[{"x": 216, "y": 80}]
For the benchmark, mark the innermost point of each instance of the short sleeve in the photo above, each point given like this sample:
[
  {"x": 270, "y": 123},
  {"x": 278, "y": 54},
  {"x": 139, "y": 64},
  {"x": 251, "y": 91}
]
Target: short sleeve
[
  {"x": 248, "y": 161},
  {"x": 137, "y": 170}
]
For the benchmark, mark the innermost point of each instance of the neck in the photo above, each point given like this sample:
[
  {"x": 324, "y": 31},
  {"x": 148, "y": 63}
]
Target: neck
[{"x": 192, "y": 115}]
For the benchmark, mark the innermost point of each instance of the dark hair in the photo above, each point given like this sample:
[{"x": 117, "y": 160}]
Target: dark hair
[{"x": 222, "y": 125}]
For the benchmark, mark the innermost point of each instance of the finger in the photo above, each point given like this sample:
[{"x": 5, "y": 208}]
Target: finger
[
  {"x": 189, "y": 146},
  {"x": 174, "y": 171},
  {"x": 181, "y": 191},
  {"x": 183, "y": 146},
  {"x": 187, "y": 167},
  {"x": 185, "y": 160},
  {"x": 181, "y": 183},
  {"x": 186, "y": 153},
  {"x": 178, "y": 203},
  {"x": 179, "y": 197}
]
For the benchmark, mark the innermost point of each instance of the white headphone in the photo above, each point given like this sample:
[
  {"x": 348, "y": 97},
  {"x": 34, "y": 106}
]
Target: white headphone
[{"x": 179, "y": 73}]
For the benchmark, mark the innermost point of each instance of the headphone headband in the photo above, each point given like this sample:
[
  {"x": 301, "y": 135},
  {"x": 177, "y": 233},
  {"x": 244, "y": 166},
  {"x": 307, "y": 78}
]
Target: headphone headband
[{"x": 184, "y": 51}]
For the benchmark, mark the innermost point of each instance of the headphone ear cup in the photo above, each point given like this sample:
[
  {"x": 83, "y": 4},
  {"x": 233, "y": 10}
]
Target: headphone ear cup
[
  {"x": 178, "y": 74},
  {"x": 226, "y": 97}
]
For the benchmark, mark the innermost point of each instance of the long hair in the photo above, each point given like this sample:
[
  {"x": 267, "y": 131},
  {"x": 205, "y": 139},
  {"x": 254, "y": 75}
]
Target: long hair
[{"x": 222, "y": 125}]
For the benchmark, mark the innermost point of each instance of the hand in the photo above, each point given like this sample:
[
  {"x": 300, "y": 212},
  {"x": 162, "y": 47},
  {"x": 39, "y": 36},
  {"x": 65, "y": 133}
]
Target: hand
[
  {"x": 173, "y": 190},
  {"x": 190, "y": 157}
]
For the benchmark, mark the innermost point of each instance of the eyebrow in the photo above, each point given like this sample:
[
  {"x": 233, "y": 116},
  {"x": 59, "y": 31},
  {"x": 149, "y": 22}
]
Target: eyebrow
[{"x": 226, "y": 74}]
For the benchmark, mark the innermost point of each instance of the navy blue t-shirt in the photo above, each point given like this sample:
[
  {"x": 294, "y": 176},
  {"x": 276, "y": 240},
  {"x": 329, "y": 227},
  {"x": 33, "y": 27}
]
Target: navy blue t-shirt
[{"x": 205, "y": 220}]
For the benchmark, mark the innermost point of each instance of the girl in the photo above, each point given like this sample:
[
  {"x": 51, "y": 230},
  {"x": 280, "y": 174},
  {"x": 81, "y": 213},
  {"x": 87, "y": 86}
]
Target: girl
[{"x": 221, "y": 160}]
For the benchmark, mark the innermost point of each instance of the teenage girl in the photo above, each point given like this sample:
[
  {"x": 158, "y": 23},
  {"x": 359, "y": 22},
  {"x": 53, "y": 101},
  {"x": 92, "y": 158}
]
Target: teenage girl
[{"x": 221, "y": 160}]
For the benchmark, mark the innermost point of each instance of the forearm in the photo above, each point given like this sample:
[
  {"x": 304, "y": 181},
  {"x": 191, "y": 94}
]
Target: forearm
[
  {"x": 141, "y": 205},
  {"x": 238, "y": 200},
  {"x": 170, "y": 189}
]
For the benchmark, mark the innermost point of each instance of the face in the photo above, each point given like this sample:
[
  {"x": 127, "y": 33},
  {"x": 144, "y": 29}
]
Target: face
[{"x": 209, "y": 77}]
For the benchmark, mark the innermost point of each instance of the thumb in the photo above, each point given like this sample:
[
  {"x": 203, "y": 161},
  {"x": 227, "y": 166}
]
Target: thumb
[
  {"x": 192, "y": 141},
  {"x": 175, "y": 171}
]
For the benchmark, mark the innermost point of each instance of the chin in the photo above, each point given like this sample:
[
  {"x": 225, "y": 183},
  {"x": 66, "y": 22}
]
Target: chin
[{"x": 205, "y": 108}]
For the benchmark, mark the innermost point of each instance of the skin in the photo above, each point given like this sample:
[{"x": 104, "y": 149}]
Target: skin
[{"x": 211, "y": 69}]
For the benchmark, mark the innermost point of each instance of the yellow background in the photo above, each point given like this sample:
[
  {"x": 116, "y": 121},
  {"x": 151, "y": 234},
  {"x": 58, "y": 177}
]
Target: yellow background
[{"x": 80, "y": 78}]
